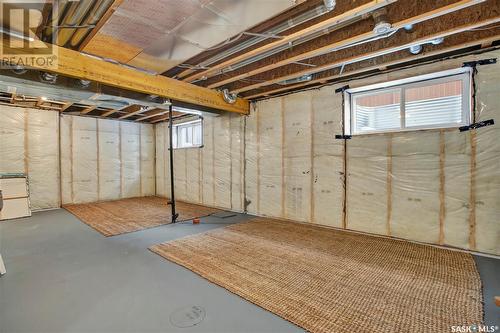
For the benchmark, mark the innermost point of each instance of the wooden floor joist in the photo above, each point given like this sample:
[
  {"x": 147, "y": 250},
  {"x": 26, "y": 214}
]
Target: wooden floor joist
[
  {"x": 133, "y": 112},
  {"x": 339, "y": 19},
  {"x": 323, "y": 80},
  {"x": 89, "y": 109},
  {"x": 157, "y": 112},
  {"x": 342, "y": 44},
  {"x": 78, "y": 65},
  {"x": 378, "y": 53}
]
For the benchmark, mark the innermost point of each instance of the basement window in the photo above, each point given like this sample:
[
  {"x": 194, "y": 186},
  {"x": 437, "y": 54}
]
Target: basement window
[
  {"x": 438, "y": 100},
  {"x": 188, "y": 134}
]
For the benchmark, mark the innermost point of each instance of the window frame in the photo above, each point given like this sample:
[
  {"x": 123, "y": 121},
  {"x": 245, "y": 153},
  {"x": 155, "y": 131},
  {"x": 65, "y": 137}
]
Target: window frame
[
  {"x": 464, "y": 74},
  {"x": 175, "y": 133}
]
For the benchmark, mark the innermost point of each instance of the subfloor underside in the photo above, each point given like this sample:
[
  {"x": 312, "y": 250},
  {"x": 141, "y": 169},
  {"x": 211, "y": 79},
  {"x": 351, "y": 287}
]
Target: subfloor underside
[{"x": 62, "y": 276}]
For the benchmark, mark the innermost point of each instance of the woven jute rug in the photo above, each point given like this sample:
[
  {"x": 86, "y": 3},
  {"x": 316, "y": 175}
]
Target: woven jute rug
[
  {"x": 326, "y": 280},
  {"x": 117, "y": 217}
]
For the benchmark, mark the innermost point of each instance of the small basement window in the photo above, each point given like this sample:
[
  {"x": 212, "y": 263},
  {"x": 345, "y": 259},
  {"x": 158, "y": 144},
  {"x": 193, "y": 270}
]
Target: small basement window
[
  {"x": 438, "y": 100},
  {"x": 188, "y": 134}
]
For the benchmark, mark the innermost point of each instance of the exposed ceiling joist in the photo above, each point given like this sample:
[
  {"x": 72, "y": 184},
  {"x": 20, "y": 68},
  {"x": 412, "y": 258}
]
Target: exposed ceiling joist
[
  {"x": 65, "y": 106},
  {"x": 101, "y": 22},
  {"x": 372, "y": 55},
  {"x": 89, "y": 109},
  {"x": 77, "y": 65},
  {"x": 135, "y": 111},
  {"x": 346, "y": 43},
  {"x": 157, "y": 120},
  {"x": 109, "y": 113},
  {"x": 339, "y": 19},
  {"x": 383, "y": 66},
  {"x": 155, "y": 113}
]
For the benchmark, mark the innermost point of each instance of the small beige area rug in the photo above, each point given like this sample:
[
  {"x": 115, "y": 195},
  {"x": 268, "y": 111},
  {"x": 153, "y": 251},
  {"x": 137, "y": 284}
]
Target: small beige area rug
[
  {"x": 326, "y": 280},
  {"x": 117, "y": 217}
]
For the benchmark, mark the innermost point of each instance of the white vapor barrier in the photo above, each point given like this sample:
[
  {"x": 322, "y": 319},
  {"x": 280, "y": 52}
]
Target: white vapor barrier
[
  {"x": 180, "y": 174},
  {"x": 109, "y": 159},
  {"x": 251, "y": 152},
  {"x": 415, "y": 186},
  {"x": 367, "y": 163},
  {"x": 456, "y": 157},
  {"x": 193, "y": 175},
  {"x": 487, "y": 171},
  {"x": 208, "y": 163},
  {"x": 270, "y": 158},
  {"x": 222, "y": 161},
  {"x": 437, "y": 186},
  {"x": 147, "y": 155},
  {"x": 105, "y": 159},
  {"x": 29, "y": 144},
  {"x": 211, "y": 175},
  {"x": 236, "y": 130},
  {"x": 161, "y": 159},
  {"x": 43, "y": 158},
  {"x": 297, "y": 151},
  {"x": 131, "y": 160},
  {"x": 328, "y": 158}
]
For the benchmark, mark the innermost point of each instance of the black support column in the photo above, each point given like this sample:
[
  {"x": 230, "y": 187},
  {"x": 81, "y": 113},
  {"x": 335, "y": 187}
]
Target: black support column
[{"x": 171, "y": 150}]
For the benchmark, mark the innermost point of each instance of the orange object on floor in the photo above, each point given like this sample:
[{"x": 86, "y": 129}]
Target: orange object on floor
[{"x": 196, "y": 221}]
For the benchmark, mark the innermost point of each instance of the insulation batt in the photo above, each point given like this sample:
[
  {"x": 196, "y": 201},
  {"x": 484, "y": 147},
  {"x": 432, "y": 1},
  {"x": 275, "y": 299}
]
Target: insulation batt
[
  {"x": 420, "y": 186},
  {"x": 105, "y": 159},
  {"x": 29, "y": 144}
]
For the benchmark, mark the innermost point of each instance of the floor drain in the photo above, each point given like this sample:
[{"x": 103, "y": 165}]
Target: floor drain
[{"x": 187, "y": 316}]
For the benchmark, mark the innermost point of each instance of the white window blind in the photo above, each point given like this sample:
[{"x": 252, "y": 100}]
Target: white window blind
[
  {"x": 188, "y": 134},
  {"x": 431, "y": 101}
]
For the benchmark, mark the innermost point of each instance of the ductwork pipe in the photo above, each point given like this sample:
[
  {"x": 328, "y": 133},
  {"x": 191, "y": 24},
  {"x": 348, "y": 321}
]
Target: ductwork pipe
[
  {"x": 92, "y": 18},
  {"x": 382, "y": 25},
  {"x": 276, "y": 30},
  {"x": 229, "y": 97},
  {"x": 73, "y": 17},
  {"x": 59, "y": 8},
  {"x": 330, "y": 4}
]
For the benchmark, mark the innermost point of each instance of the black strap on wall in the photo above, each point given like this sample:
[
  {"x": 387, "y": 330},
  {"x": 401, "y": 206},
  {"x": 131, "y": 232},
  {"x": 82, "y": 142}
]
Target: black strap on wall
[
  {"x": 480, "y": 62},
  {"x": 341, "y": 89},
  {"x": 473, "y": 64},
  {"x": 480, "y": 124},
  {"x": 171, "y": 150},
  {"x": 342, "y": 136}
]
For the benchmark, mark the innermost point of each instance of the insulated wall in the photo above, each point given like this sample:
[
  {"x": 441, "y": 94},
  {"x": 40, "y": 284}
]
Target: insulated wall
[
  {"x": 105, "y": 159},
  {"x": 211, "y": 175},
  {"x": 294, "y": 166},
  {"x": 29, "y": 143},
  {"x": 434, "y": 186}
]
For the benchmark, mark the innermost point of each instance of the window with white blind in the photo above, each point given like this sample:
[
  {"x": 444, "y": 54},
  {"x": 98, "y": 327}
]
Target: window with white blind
[
  {"x": 188, "y": 134},
  {"x": 438, "y": 100}
]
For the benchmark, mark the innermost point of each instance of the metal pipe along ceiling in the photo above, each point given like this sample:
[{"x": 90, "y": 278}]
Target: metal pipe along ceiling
[
  {"x": 74, "y": 20},
  {"x": 97, "y": 12},
  {"x": 73, "y": 16},
  {"x": 281, "y": 27}
]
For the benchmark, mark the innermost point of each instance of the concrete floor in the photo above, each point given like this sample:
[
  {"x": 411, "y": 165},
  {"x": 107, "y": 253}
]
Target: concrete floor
[{"x": 62, "y": 276}]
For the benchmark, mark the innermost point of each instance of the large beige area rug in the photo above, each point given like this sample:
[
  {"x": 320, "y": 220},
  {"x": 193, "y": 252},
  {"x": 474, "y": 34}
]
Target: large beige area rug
[
  {"x": 326, "y": 280},
  {"x": 117, "y": 217}
]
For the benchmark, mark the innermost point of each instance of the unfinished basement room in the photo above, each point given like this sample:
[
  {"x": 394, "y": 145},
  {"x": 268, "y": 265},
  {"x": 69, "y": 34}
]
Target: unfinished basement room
[{"x": 250, "y": 166}]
